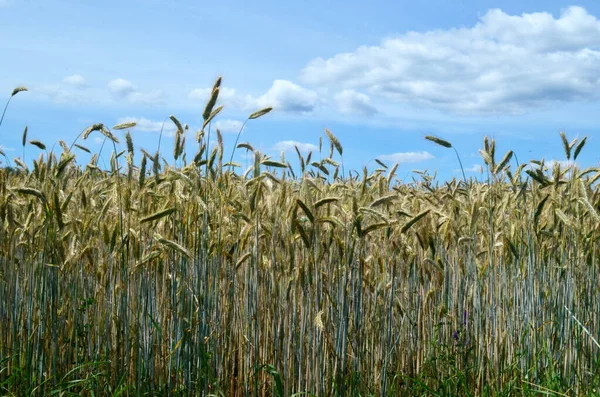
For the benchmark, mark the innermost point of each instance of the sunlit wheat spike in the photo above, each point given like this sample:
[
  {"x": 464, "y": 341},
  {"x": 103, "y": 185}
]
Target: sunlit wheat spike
[
  {"x": 124, "y": 126},
  {"x": 157, "y": 215},
  {"x": 108, "y": 134},
  {"x": 580, "y": 146},
  {"x": 260, "y": 113},
  {"x": 18, "y": 89},
  {"x": 487, "y": 159},
  {"x": 176, "y": 247},
  {"x": 32, "y": 192},
  {"x": 92, "y": 128},
  {"x": 38, "y": 144},
  {"x": 384, "y": 200},
  {"x": 566, "y": 146},
  {"x": 64, "y": 146},
  {"x": 177, "y": 124},
  {"x": 63, "y": 163},
  {"x": 590, "y": 208},
  {"x": 24, "y": 138},
  {"x": 272, "y": 163},
  {"x": 246, "y": 146},
  {"x": 242, "y": 259},
  {"x": 211, "y": 103},
  {"x": 325, "y": 200},
  {"x": 129, "y": 142},
  {"x": 334, "y": 141},
  {"x": 439, "y": 141},
  {"x": 20, "y": 163},
  {"x": 319, "y": 320},
  {"x": 391, "y": 173},
  {"x": 212, "y": 115},
  {"x": 562, "y": 216},
  {"x": 503, "y": 162}
]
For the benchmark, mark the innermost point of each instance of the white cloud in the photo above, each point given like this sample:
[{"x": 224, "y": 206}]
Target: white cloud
[
  {"x": 7, "y": 149},
  {"x": 121, "y": 87},
  {"x": 503, "y": 64},
  {"x": 283, "y": 96},
  {"x": 407, "y": 157},
  {"x": 563, "y": 164},
  {"x": 286, "y": 146},
  {"x": 226, "y": 94},
  {"x": 59, "y": 94},
  {"x": 75, "y": 80},
  {"x": 125, "y": 89},
  {"x": 476, "y": 168},
  {"x": 288, "y": 97},
  {"x": 352, "y": 102},
  {"x": 146, "y": 125},
  {"x": 228, "y": 125}
]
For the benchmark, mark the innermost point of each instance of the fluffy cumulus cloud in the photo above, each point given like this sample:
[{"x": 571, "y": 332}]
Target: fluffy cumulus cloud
[
  {"x": 352, "y": 102},
  {"x": 503, "y": 64},
  {"x": 407, "y": 157},
  {"x": 125, "y": 89},
  {"x": 288, "y": 97},
  {"x": 76, "y": 81},
  {"x": 286, "y": 146}
]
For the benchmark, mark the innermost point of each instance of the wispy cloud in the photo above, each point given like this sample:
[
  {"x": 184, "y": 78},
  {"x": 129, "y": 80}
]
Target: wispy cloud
[
  {"x": 75, "y": 80},
  {"x": 286, "y": 146},
  {"x": 226, "y": 95},
  {"x": 125, "y": 89},
  {"x": 59, "y": 93},
  {"x": 228, "y": 125},
  {"x": 476, "y": 168},
  {"x": 503, "y": 64},
  {"x": 562, "y": 163},
  {"x": 407, "y": 157}
]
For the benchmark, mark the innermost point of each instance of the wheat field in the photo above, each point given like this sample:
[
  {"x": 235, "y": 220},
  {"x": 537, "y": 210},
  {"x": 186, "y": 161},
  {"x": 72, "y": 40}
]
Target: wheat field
[{"x": 168, "y": 276}]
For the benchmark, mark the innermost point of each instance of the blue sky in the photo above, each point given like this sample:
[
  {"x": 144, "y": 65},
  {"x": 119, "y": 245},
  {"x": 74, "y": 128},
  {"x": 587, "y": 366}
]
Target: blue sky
[{"x": 379, "y": 75}]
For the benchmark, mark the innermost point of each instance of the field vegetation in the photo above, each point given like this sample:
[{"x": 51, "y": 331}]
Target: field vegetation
[{"x": 185, "y": 274}]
